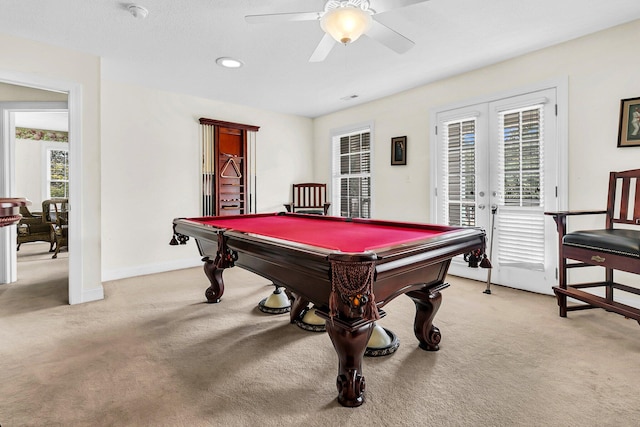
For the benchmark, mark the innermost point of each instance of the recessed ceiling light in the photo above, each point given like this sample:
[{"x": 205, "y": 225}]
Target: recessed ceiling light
[{"x": 228, "y": 62}]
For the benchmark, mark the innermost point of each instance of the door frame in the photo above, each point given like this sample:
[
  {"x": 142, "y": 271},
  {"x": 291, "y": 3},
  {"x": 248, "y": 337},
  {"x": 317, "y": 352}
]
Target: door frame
[
  {"x": 7, "y": 184},
  {"x": 561, "y": 86},
  {"x": 8, "y": 264}
]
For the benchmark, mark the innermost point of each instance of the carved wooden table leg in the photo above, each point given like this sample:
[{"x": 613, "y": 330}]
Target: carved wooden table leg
[
  {"x": 214, "y": 274},
  {"x": 350, "y": 346},
  {"x": 427, "y": 305},
  {"x": 297, "y": 306}
]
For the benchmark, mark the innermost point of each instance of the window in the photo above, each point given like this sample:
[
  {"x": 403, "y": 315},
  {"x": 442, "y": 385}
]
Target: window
[
  {"x": 352, "y": 174},
  {"x": 520, "y": 156},
  {"x": 57, "y": 173},
  {"x": 521, "y": 173},
  {"x": 460, "y": 173}
]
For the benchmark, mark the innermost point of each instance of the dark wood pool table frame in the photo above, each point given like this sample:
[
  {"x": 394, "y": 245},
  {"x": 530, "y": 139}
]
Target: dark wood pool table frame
[
  {"x": 10, "y": 210},
  {"x": 417, "y": 269}
]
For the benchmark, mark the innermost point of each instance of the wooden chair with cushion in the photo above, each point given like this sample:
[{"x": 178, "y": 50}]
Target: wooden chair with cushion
[
  {"x": 614, "y": 247},
  {"x": 309, "y": 198}
]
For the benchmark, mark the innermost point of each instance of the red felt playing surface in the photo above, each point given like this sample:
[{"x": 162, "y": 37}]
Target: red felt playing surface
[{"x": 336, "y": 235}]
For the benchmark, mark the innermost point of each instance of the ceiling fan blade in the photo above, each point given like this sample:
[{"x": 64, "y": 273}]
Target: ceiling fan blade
[
  {"x": 391, "y": 39},
  {"x": 385, "y": 5},
  {"x": 282, "y": 17},
  {"x": 323, "y": 49}
]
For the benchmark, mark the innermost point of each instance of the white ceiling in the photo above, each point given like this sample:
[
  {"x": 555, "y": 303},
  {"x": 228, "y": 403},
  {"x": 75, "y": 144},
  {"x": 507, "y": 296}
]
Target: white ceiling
[{"x": 176, "y": 46}]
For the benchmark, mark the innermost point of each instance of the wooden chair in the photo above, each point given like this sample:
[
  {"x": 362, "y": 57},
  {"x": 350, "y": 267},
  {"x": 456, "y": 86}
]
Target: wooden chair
[
  {"x": 309, "y": 198},
  {"x": 615, "y": 247},
  {"x": 60, "y": 228}
]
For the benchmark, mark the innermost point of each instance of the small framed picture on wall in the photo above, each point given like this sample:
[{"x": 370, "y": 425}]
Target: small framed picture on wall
[
  {"x": 399, "y": 150},
  {"x": 629, "y": 128}
]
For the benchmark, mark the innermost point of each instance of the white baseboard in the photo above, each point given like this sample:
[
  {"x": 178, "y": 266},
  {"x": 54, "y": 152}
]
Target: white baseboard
[
  {"x": 95, "y": 294},
  {"x": 143, "y": 270}
]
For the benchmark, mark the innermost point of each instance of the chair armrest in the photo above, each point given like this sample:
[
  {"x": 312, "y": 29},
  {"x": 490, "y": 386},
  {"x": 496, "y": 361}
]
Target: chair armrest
[
  {"x": 32, "y": 220},
  {"x": 326, "y": 208},
  {"x": 560, "y": 217},
  {"x": 289, "y": 206}
]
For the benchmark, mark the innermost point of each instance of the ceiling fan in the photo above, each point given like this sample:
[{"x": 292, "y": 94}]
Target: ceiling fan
[{"x": 345, "y": 21}]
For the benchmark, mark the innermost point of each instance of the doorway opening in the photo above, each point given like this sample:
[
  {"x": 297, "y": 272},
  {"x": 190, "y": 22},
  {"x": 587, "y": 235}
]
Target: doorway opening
[
  {"x": 17, "y": 82},
  {"x": 41, "y": 150},
  {"x": 498, "y": 166}
]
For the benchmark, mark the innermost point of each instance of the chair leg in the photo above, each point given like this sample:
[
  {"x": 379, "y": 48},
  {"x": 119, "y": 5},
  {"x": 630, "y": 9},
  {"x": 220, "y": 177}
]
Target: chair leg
[
  {"x": 55, "y": 255},
  {"x": 609, "y": 287},
  {"x": 561, "y": 223},
  {"x": 57, "y": 243},
  {"x": 562, "y": 281},
  {"x": 562, "y": 304}
]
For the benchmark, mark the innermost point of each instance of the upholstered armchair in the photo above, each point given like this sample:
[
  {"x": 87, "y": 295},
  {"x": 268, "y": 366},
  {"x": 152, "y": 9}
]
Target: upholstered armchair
[
  {"x": 34, "y": 228},
  {"x": 45, "y": 226}
]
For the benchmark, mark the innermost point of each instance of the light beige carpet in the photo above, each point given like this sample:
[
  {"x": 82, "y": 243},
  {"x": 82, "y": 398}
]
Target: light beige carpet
[{"x": 154, "y": 354}]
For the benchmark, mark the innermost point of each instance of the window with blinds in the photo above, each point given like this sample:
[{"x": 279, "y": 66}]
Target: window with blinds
[
  {"x": 460, "y": 172},
  {"x": 521, "y": 220},
  {"x": 520, "y": 148},
  {"x": 352, "y": 174}
]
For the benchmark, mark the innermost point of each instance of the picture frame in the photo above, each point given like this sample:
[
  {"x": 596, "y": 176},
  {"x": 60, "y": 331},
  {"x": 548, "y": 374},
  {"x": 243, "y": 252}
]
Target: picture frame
[
  {"x": 399, "y": 150},
  {"x": 629, "y": 127}
]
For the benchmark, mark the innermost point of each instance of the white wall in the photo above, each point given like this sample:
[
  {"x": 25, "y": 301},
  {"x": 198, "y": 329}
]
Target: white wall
[
  {"x": 602, "y": 70},
  {"x": 9, "y": 92},
  {"x": 151, "y": 166},
  {"x": 29, "y": 171}
]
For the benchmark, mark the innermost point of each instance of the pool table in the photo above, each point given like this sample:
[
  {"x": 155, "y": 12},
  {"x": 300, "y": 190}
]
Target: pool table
[
  {"x": 348, "y": 268},
  {"x": 10, "y": 210}
]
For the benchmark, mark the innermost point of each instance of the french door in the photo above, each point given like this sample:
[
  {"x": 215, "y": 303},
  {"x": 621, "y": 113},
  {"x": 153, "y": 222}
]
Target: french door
[{"x": 497, "y": 169}]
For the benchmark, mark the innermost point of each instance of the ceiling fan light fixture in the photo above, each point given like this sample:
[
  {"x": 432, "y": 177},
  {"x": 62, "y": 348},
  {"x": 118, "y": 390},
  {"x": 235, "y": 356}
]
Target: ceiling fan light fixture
[
  {"x": 346, "y": 23},
  {"x": 137, "y": 11}
]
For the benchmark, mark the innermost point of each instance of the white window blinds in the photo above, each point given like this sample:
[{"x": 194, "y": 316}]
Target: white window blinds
[
  {"x": 352, "y": 174},
  {"x": 521, "y": 219},
  {"x": 460, "y": 172},
  {"x": 521, "y": 156}
]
